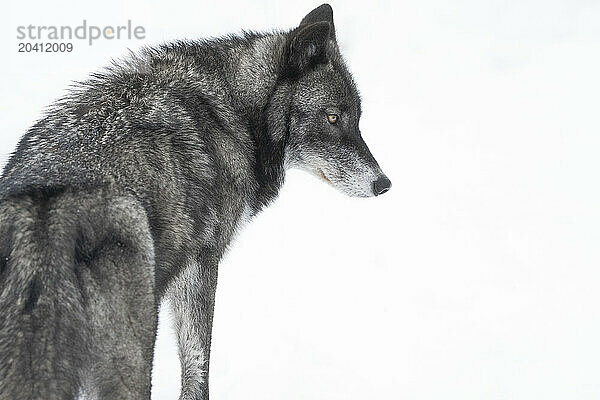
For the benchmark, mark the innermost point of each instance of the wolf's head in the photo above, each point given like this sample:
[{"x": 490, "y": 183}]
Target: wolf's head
[{"x": 325, "y": 138}]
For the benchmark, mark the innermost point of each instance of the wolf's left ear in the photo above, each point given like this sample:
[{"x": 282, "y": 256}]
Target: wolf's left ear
[
  {"x": 307, "y": 46},
  {"x": 323, "y": 13}
]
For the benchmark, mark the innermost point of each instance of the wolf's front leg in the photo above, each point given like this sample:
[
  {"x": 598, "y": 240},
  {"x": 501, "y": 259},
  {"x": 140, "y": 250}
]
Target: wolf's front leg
[{"x": 192, "y": 298}]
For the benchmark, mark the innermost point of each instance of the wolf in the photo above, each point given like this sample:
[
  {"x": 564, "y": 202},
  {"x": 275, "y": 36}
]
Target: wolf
[{"x": 130, "y": 188}]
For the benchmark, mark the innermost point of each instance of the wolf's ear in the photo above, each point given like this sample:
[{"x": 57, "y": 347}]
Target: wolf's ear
[
  {"x": 307, "y": 46},
  {"x": 323, "y": 13}
]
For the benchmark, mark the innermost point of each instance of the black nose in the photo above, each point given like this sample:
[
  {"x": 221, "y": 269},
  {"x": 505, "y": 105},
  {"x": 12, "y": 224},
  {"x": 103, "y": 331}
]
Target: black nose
[{"x": 381, "y": 185}]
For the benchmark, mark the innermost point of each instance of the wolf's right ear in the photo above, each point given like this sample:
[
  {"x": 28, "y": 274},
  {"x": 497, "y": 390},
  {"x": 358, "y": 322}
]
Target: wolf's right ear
[{"x": 307, "y": 47}]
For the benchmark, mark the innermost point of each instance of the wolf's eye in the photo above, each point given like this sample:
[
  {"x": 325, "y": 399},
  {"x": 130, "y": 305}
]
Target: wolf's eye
[{"x": 332, "y": 118}]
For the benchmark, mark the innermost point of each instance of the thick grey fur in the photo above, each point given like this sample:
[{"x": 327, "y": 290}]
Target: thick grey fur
[{"x": 131, "y": 187}]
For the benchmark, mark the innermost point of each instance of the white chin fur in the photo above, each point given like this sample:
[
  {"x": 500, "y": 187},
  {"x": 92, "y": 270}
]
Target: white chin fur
[
  {"x": 355, "y": 181},
  {"x": 361, "y": 186}
]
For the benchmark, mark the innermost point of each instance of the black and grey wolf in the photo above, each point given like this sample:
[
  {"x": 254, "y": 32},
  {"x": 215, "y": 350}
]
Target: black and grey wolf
[{"x": 131, "y": 187}]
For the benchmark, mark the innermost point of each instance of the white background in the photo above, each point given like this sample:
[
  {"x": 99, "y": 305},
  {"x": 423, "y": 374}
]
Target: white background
[{"x": 475, "y": 277}]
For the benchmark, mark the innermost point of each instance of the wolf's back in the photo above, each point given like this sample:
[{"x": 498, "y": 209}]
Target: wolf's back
[{"x": 64, "y": 272}]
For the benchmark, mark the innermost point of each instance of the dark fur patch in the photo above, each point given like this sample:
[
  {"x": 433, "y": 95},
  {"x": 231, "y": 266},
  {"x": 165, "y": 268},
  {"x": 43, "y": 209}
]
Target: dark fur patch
[
  {"x": 81, "y": 285},
  {"x": 34, "y": 290},
  {"x": 85, "y": 254},
  {"x": 3, "y": 264},
  {"x": 5, "y": 250}
]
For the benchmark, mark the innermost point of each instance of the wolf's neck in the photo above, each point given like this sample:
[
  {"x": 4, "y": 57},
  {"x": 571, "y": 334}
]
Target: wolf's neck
[
  {"x": 248, "y": 80},
  {"x": 264, "y": 100}
]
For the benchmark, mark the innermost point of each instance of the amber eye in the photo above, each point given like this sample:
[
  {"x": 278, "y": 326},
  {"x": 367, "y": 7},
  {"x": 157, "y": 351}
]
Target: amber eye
[{"x": 332, "y": 118}]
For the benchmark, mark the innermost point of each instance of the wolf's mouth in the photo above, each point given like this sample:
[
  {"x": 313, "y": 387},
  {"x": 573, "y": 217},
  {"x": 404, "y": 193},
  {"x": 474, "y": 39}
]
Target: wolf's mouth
[{"x": 322, "y": 175}]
